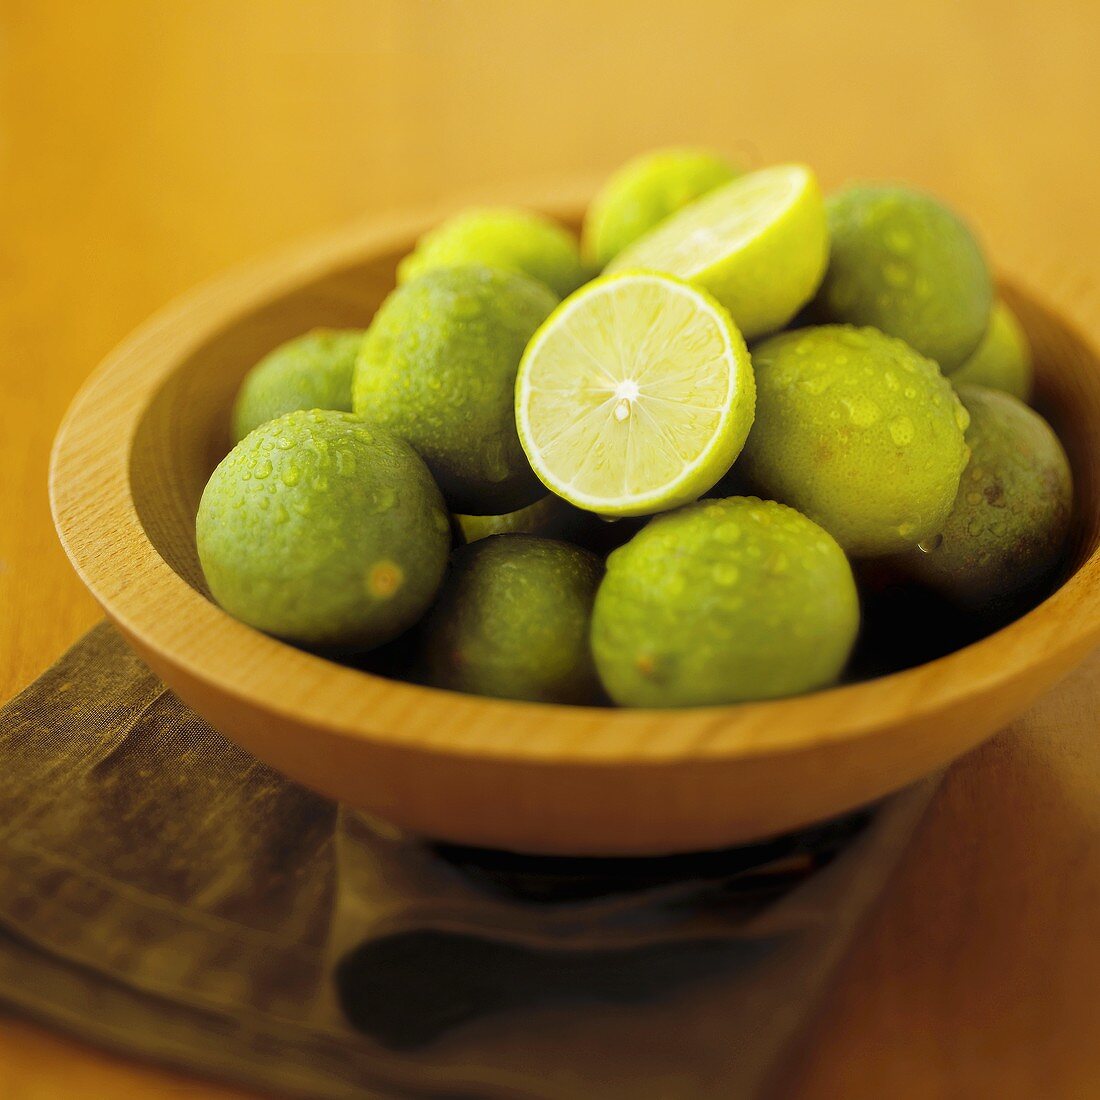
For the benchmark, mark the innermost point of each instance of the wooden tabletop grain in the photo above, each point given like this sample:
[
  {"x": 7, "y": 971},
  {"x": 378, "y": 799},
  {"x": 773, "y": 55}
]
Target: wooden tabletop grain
[{"x": 145, "y": 146}]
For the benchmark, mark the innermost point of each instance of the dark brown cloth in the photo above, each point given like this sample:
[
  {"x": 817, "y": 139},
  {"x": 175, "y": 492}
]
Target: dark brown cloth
[{"x": 165, "y": 894}]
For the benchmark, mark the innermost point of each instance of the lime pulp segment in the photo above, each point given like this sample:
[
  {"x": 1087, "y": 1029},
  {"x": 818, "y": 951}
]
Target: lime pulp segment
[{"x": 635, "y": 396}]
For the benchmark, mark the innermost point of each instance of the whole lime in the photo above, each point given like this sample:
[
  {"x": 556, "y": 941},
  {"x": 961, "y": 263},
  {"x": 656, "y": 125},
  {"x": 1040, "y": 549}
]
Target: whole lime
[
  {"x": 313, "y": 371},
  {"x": 324, "y": 530},
  {"x": 643, "y": 192},
  {"x": 514, "y": 240},
  {"x": 722, "y": 602},
  {"x": 550, "y": 517},
  {"x": 858, "y": 431},
  {"x": 1012, "y": 512},
  {"x": 1003, "y": 358},
  {"x": 903, "y": 262},
  {"x": 438, "y": 368},
  {"x": 512, "y": 621}
]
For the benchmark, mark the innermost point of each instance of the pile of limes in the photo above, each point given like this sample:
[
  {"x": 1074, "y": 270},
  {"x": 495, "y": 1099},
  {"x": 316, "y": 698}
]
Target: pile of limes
[{"x": 648, "y": 509}]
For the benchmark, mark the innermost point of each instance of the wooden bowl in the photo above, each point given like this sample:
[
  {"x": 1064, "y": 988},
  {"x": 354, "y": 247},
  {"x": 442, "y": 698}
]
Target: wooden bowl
[{"x": 130, "y": 463}]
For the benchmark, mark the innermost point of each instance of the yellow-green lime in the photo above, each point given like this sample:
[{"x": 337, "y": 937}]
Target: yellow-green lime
[
  {"x": 635, "y": 396},
  {"x": 438, "y": 368},
  {"x": 1003, "y": 359},
  {"x": 903, "y": 262},
  {"x": 858, "y": 431},
  {"x": 1012, "y": 512},
  {"x": 514, "y": 240},
  {"x": 550, "y": 517},
  {"x": 645, "y": 191},
  {"x": 512, "y": 621},
  {"x": 721, "y": 602},
  {"x": 323, "y": 529},
  {"x": 759, "y": 244},
  {"x": 312, "y": 371}
]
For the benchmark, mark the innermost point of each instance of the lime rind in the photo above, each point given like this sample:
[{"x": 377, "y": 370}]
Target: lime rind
[
  {"x": 1002, "y": 360},
  {"x": 723, "y": 602},
  {"x": 905, "y": 263},
  {"x": 858, "y": 431},
  {"x": 312, "y": 371},
  {"x": 438, "y": 368},
  {"x": 503, "y": 237},
  {"x": 635, "y": 396}
]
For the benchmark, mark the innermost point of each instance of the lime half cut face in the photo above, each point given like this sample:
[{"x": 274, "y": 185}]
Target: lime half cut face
[
  {"x": 635, "y": 396},
  {"x": 759, "y": 244}
]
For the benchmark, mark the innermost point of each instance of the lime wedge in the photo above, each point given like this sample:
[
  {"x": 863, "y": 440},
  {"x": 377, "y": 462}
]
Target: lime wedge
[
  {"x": 635, "y": 395},
  {"x": 759, "y": 244}
]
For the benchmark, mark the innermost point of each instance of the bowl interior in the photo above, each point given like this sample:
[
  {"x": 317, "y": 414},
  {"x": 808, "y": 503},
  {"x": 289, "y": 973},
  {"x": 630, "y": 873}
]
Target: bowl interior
[
  {"x": 1067, "y": 372},
  {"x": 184, "y": 431}
]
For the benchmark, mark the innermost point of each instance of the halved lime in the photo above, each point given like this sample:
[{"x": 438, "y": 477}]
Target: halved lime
[
  {"x": 635, "y": 395},
  {"x": 760, "y": 245}
]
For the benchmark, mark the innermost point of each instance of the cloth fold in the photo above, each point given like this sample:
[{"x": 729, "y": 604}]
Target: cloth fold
[{"x": 165, "y": 894}]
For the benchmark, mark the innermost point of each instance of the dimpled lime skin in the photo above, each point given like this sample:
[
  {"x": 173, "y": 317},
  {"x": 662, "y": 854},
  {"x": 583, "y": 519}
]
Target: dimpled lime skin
[
  {"x": 723, "y": 602},
  {"x": 903, "y": 262},
  {"x": 438, "y": 368},
  {"x": 313, "y": 371},
  {"x": 1003, "y": 359},
  {"x": 323, "y": 530},
  {"x": 513, "y": 240},
  {"x": 512, "y": 621},
  {"x": 643, "y": 192},
  {"x": 859, "y": 432},
  {"x": 1012, "y": 513},
  {"x": 550, "y": 517}
]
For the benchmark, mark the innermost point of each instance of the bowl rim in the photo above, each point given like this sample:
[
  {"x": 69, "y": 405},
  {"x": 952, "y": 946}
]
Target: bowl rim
[{"x": 100, "y": 529}]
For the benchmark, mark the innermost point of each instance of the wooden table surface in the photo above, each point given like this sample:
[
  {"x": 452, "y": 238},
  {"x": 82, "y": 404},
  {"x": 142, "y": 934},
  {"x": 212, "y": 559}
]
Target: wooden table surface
[{"x": 147, "y": 145}]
